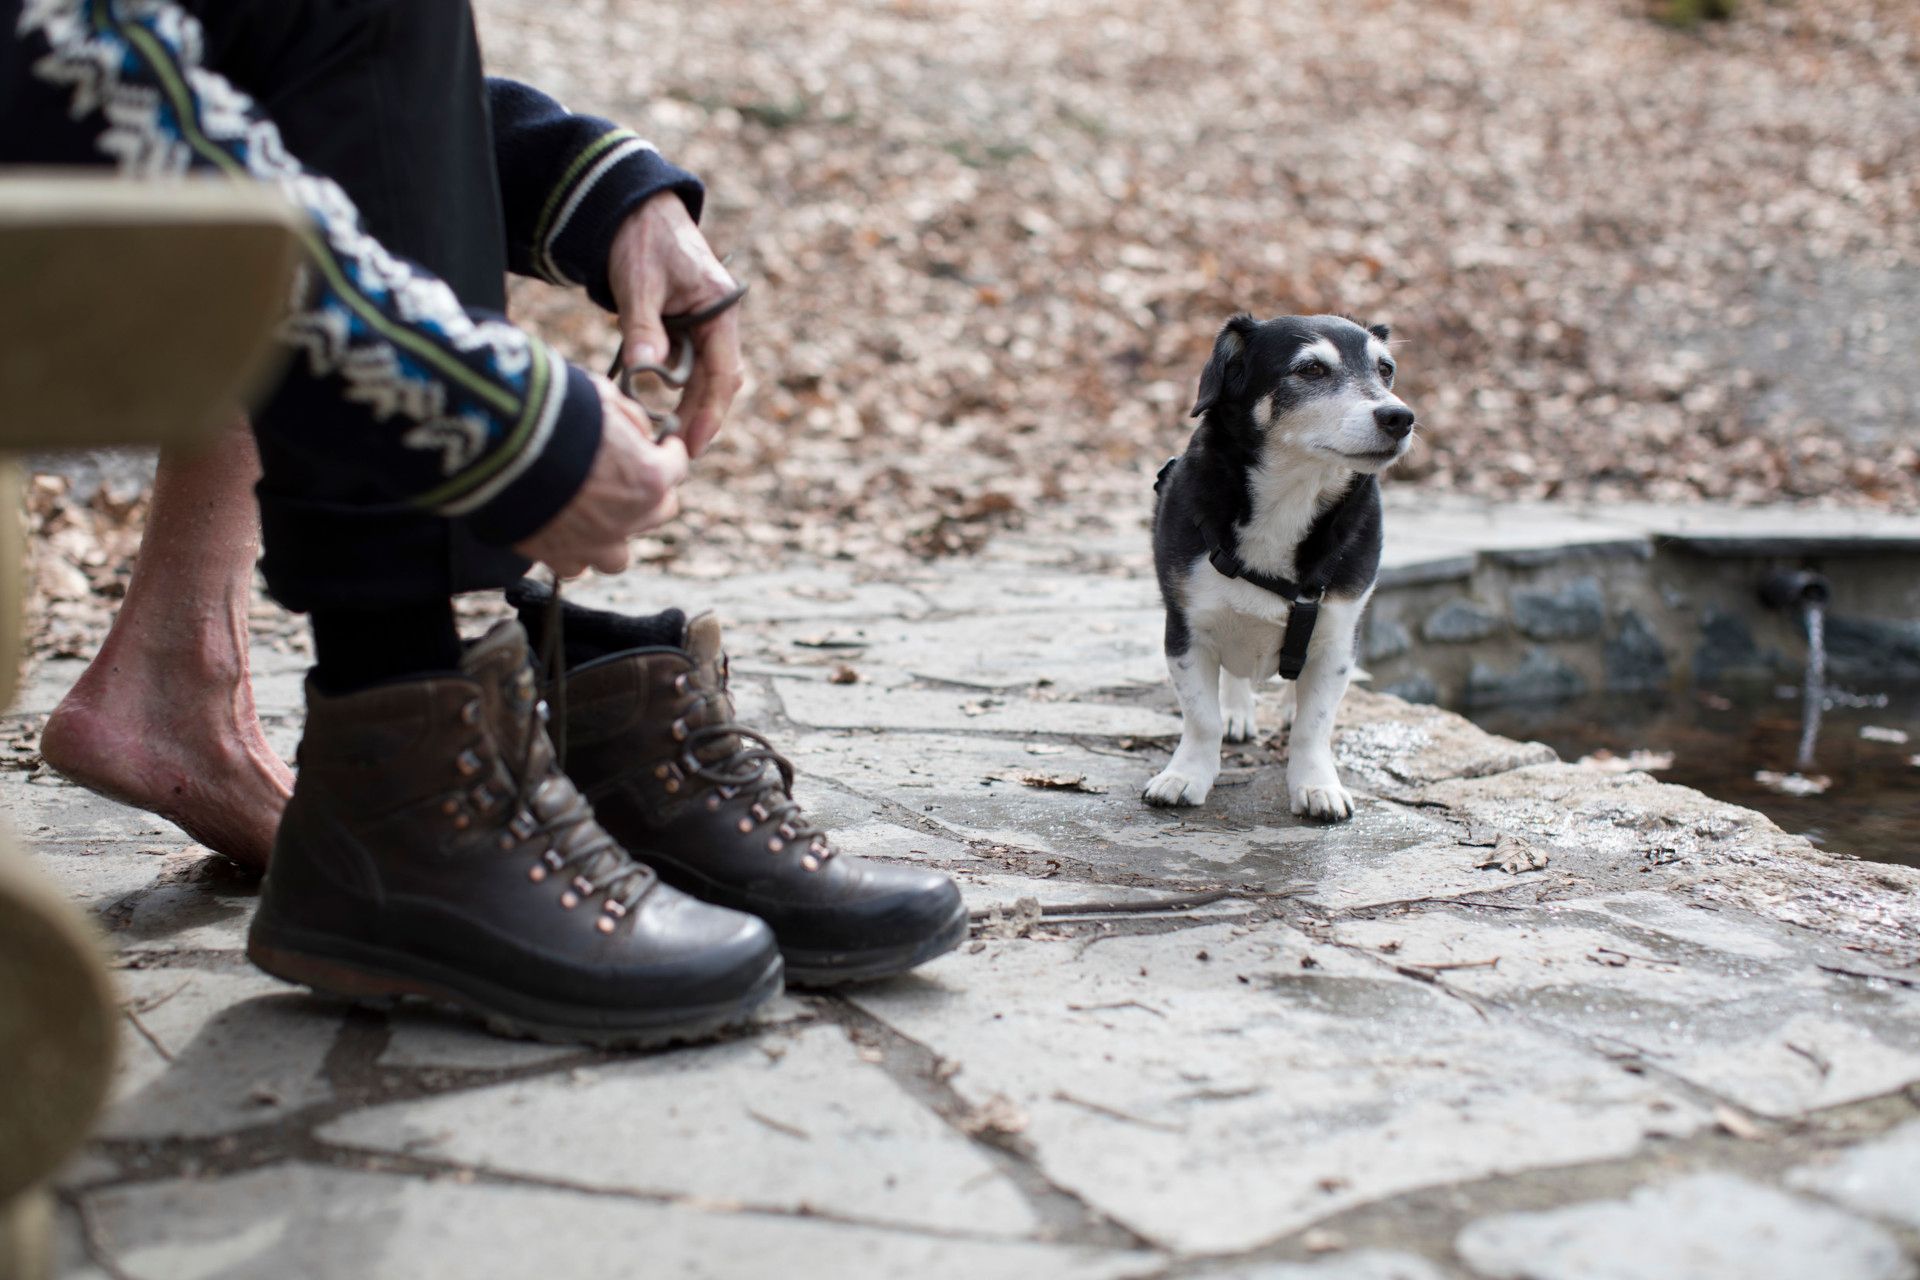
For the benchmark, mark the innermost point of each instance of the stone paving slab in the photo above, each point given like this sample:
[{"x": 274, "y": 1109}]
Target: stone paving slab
[
  {"x": 1228, "y": 1087},
  {"x": 1875, "y": 1178},
  {"x": 1701, "y": 1228},
  {"x": 1232, "y": 1090},
  {"x": 1371, "y": 1265},
  {"x": 1749, "y": 1017},
  {"x": 214, "y": 1052},
  {"x": 830, "y": 1134},
  {"x": 301, "y": 1220},
  {"x": 1245, "y": 835},
  {"x": 863, "y": 706}
]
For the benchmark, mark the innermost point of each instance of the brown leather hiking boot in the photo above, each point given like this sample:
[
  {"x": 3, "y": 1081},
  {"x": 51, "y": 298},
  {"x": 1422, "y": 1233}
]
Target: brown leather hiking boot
[
  {"x": 652, "y": 742},
  {"x": 432, "y": 849}
]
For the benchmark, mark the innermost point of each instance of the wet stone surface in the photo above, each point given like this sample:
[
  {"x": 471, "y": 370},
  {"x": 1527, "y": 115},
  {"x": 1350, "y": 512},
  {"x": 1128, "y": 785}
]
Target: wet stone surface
[{"x": 1517, "y": 1018}]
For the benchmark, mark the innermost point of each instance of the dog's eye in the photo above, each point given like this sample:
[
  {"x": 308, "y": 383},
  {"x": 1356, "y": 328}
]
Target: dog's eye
[
  {"x": 1386, "y": 370},
  {"x": 1310, "y": 370}
]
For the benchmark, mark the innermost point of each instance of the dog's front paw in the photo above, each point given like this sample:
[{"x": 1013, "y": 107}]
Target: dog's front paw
[
  {"x": 1172, "y": 787},
  {"x": 1317, "y": 794}
]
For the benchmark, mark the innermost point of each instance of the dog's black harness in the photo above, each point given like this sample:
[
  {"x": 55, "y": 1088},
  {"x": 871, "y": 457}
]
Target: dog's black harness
[{"x": 1302, "y": 597}]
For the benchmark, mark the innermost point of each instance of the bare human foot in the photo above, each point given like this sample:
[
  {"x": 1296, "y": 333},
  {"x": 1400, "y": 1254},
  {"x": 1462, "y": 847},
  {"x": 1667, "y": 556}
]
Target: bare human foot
[{"x": 163, "y": 718}]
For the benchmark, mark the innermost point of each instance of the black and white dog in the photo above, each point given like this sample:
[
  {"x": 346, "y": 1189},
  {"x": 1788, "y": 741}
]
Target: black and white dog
[{"x": 1266, "y": 540}]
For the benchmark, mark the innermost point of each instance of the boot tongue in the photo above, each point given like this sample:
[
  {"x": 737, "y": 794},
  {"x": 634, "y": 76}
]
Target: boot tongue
[
  {"x": 500, "y": 663},
  {"x": 709, "y": 660},
  {"x": 709, "y": 675}
]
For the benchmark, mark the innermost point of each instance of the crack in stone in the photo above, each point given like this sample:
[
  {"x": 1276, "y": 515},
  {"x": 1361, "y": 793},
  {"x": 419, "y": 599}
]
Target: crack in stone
[
  {"x": 1067, "y": 1217},
  {"x": 1427, "y": 1220}
]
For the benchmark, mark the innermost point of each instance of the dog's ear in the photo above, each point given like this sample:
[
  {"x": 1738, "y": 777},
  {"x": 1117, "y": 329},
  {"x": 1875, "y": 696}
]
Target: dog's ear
[
  {"x": 1226, "y": 371},
  {"x": 1380, "y": 331}
]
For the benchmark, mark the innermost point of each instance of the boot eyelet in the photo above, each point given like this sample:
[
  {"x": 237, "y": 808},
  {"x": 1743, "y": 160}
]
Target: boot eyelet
[
  {"x": 680, "y": 683},
  {"x": 679, "y": 728},
  {"x": 522, "y": 824},
  {"x": 671, "y": 786},
  {"x": 776, "y": 844},
  {"x": 614, "y": 909},
  {"x": 713, "y": 804},
  {"x": 552, "y": 857},
  {"x": 468, "y": 763},
  {"x": 583, "y": 886},
  {"x": 786, "y": 829},
  {"x": 461, "y": 822},
  {"x": 470, "y": 713},
  {"x": 604, "y": 924},
  {"x": 482, "y": 796},
  {"x": 536, "y": 873},
  {"x": 663, "y": 771},
  {"x": 569, "y": 900},
  {"x": 746, "y": 826},
  {"x": 809, "y": 863},
  {"x": 759, "y": 812},
  {"x": 450, "y": 806},
  {"x": 506, "y": 842}
]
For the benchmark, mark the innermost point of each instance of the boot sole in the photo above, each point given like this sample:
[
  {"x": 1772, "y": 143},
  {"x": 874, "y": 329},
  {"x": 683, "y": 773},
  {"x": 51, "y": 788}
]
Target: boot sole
[
  {"x": 363, "y": 975},
  {"x": 816, "y": 969}
]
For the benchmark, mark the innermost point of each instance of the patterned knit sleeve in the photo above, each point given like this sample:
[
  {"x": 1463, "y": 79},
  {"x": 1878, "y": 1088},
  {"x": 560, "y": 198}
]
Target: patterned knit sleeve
[
  {"x": 458, "y": 413},
  {"x": 568, "y": 181}
]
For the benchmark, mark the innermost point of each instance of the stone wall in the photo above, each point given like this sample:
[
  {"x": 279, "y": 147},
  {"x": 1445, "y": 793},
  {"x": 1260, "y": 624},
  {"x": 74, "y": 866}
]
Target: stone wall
[{"x": 1548, "y": 624}]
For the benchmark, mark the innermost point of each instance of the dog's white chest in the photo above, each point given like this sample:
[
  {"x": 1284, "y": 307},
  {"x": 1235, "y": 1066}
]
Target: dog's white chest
[{"x": 1242, "y": 624}]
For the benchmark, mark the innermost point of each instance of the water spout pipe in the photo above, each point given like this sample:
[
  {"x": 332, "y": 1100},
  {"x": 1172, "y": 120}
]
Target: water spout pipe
[{"x": 1795, "y": 589}]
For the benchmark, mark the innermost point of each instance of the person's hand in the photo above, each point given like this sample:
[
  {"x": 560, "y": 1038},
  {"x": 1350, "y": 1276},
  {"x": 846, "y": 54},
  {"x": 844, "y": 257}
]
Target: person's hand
[
  {"x": 629, "y": 490},
  {"x": 661, "y": 265}
]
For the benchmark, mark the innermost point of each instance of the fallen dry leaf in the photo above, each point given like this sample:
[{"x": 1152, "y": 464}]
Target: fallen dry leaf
[
  {"x": 1050, "y": 781},
  {"x": 1513, "y": 856}
]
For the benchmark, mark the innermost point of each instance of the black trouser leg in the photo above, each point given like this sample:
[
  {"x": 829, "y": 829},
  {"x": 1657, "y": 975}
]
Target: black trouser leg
[
  {"x": 388, "y": 99},
  {"x": 356, "y": 649}
]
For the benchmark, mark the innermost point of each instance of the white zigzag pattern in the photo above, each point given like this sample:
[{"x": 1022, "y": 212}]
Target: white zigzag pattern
[{"x": 90, "y": 68}]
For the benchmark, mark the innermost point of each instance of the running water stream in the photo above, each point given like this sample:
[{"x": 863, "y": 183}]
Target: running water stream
[{"x": 1813, "y": 690}]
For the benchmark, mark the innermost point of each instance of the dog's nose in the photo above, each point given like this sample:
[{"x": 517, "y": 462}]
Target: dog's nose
[{"x": 1394, "y": 419}]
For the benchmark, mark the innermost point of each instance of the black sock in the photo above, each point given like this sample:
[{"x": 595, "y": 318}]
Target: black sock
[
  {"x": 593, "y": 633},
  {"x": 357, "y": 648}
]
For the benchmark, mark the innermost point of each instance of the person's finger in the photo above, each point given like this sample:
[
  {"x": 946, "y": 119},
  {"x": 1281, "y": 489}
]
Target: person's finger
[
  {"x": 717, "y": 377},
  {"x": 645, "y": 338},
  {"x": 669, "y": 459},
  {"x": 664, "y": 513},
  {"x": 612, "y": 558}
]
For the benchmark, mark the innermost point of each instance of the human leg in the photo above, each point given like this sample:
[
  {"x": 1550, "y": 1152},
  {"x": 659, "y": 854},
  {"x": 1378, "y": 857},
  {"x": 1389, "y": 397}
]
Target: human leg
[{"x": 163, "y": 718}]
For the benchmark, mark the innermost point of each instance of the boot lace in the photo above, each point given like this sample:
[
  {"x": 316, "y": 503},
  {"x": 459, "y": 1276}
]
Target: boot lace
[
  {"x": 745, "y": 766},
  {"x": 555, "y": 814}
]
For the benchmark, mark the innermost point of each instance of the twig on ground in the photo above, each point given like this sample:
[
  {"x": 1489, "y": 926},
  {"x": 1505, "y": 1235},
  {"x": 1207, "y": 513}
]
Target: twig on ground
[
  {"x": 1114, "y": 1113},
  {"x": 1117, "y": 1004},
  {"x": 1123, "y": 906},
  {"x": 1820, "y": 1064},
  {"x": 780, "y": 1126},
  {"x": 1432, "y": 972},
  {"x": 147, "y": 1034},
  {"x": 1911, "y": 983}
]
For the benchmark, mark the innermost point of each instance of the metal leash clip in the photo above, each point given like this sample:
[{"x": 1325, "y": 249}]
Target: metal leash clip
[{"x": 678, "y": 369}]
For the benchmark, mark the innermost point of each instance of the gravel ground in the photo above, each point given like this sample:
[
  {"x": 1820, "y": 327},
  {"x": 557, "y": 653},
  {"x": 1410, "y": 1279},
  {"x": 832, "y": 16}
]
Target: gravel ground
[{"x": 990, "y": 240}]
